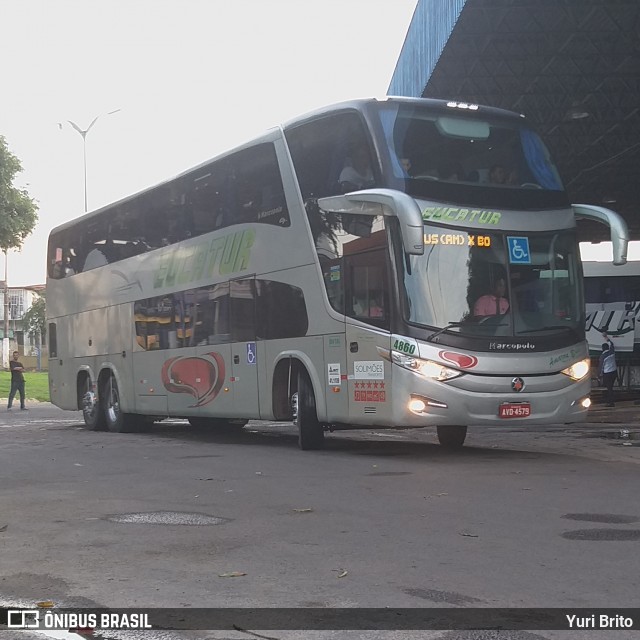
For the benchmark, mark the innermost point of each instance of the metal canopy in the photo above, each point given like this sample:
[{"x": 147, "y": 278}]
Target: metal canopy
[{"x": 571, "y": 66}]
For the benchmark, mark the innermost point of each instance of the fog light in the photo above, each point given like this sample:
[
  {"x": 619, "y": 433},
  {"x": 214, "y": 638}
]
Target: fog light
[
  {"x": 416, "y": 405},
  {"x": 585, "y": 402}
]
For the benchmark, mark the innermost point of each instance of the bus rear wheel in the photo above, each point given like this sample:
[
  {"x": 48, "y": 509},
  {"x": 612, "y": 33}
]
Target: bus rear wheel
[
  {"x": 117, "y": 421},
  {"x": 92, "y": 412},
  {"x": 452, "y": 437},
  {"x": 310, "y": 429}
]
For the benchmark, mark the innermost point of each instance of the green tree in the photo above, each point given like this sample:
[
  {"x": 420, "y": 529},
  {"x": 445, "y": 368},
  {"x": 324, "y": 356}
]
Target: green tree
[
  {"x": 18, "y": 212},
  {"x": 35, "y": 318}
]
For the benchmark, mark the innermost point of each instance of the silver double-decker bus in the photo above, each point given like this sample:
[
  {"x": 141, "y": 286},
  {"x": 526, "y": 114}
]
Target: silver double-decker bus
[{"x": 377, "y": 263}]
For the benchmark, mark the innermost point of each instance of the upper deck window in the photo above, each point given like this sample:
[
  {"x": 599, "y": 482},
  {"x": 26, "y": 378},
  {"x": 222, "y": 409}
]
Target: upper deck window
[
  {"x": 244, "y": 187},
  {"x": 332, "y": 155},
  {"x": 468, "y": 158}
]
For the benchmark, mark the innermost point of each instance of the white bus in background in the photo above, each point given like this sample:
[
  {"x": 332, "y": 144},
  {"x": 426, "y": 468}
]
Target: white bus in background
[
  {"x": 266, "y": 284},
  {"x": 612, "y": 300}
]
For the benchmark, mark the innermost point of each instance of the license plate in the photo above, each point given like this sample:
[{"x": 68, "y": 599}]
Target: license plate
[{"x": 514, "y": 410}]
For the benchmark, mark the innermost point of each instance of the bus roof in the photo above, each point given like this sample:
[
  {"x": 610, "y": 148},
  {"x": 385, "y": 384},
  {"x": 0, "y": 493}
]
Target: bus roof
[
  {"x": 435, "y": 104},
  {"x": 356, "y": 104}
]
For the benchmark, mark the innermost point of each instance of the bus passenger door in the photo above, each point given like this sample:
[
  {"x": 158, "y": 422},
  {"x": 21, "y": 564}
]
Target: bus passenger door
[
  {"x": 243, "y": 379},
  {"x": 367, "y": 307}
]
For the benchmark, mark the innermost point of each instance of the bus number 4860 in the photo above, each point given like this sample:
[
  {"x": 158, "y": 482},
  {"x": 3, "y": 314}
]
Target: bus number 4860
[{"x": 404, "y": 347}]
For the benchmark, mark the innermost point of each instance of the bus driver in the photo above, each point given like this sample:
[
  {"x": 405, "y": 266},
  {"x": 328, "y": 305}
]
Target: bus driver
[{"x": 494, "y": 303}]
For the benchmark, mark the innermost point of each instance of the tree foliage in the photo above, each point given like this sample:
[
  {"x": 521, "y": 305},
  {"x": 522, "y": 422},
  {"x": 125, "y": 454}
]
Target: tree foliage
[
  {"x": 18, "y": 212},
  {"x": 35, "y": 318}
]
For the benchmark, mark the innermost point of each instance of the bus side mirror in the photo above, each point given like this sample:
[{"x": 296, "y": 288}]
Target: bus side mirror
[
  {"x": 383, "y": 202},
  {"x": 619, "y": 230}
]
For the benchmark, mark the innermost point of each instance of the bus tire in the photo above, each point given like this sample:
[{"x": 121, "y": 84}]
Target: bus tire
[
  {"x": 92, "y": 412},
  {"x": 115, "y": 419},
  {"x": 310, "y": 429},
  {"x": 452, "y": 436}
]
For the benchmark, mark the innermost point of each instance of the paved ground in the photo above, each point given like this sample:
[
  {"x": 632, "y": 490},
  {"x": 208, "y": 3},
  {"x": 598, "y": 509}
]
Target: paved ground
[{"x": 521, "y": 517}]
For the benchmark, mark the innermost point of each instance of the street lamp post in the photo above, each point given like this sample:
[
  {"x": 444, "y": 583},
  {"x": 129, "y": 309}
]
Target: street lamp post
[{"x": 83, "y": 133}]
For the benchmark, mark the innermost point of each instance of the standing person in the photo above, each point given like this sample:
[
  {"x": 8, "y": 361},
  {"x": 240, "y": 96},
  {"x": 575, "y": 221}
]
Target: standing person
[
  {"x": 17, "y": 382},
  {"x": 607, "y": 368}
]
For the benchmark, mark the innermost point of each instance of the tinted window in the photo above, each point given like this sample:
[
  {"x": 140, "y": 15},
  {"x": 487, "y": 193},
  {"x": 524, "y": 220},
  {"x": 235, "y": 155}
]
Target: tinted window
[
  {"x": 465, "y": 157},
  {"x": 612, "y": 289},
  {"x": 183, "y": 319},
  {"x": 281, "y": 311},
  {"x": 243, "y": 311},
  {"x": 353, "y": 257},
  {"x": 367, "y": 287},
  {"x": 238, "y": 311},
  {"x": 212, "y": 304},
  {"x": 243, "y": 187},
  {"x": 323, "y": 150},
  {"x": 53, "y": 340}
]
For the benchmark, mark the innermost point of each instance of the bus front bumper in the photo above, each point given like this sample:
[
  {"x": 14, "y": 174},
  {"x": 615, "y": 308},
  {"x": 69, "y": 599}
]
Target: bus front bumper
[{"x": 488, "y": 400}]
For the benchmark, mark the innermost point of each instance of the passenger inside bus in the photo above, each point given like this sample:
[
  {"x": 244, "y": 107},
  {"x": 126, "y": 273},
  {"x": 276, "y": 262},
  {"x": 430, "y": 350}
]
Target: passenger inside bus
[
  {"x": 451, "y": 171},
  {"x": 95, "y": 258},
  {"x": 405, "y": 163},
  {"x": 68, "y": 265},
  {"x": 57, "y": 271},
  {"x": 375, "y": 307},
  {"x": 357, "y": 173},
  {"x": 497, "y": 174}
]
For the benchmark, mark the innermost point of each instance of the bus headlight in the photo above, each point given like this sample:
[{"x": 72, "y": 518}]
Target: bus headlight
[
  {"x": 426, "y": 368},
  {"x": 578, "y": 370}
]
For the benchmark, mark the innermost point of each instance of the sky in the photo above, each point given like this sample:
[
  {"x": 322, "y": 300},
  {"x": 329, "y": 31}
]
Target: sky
[{"x": 188, "y": 79}]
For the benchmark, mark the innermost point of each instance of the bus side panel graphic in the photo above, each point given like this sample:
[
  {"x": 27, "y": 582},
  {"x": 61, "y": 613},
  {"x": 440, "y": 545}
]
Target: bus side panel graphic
[{"x": 200, "y": 376}]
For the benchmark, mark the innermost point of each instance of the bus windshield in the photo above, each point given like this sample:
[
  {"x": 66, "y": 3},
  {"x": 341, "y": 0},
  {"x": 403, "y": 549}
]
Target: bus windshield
[
  {"x": 469, "y": 158},
  {"x": 496, "y": 284}
]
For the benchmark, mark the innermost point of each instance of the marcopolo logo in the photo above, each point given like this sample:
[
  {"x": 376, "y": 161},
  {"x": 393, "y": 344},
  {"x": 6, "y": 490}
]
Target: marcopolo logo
[{"x": 368, "y": 370}]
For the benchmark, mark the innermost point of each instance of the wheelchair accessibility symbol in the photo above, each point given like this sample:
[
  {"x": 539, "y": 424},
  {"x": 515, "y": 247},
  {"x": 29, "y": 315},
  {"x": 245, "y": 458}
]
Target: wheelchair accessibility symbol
[
  {"x": 251, "y": 352},
  {"x": 519, "y": 250}
]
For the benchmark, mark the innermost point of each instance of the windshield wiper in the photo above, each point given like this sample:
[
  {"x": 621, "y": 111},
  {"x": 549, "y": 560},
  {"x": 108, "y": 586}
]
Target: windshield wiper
[
  {"x": 439, "y": 331},
  {"x": 552, "y": 327}
]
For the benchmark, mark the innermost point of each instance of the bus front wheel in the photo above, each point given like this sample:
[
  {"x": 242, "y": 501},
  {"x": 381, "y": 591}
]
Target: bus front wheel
[
  {"x": 117, "y": 421},
  {"x": 310, "y": 429},
  {"x": 452, "y": 437}
]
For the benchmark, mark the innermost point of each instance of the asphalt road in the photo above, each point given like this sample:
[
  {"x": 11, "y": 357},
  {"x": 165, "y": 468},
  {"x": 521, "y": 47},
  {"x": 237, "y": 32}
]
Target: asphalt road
[{"x": 519, "y": 518}]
